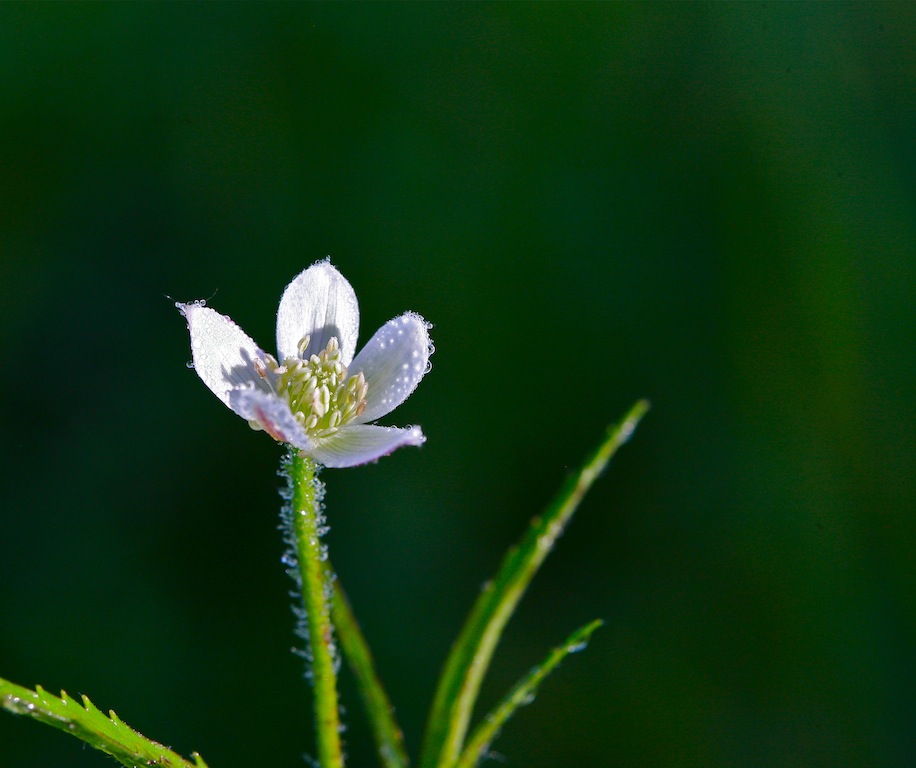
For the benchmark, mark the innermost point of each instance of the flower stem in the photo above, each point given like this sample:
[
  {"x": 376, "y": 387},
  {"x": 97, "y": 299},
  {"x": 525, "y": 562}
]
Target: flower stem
[{"x": 317, "y": 588}]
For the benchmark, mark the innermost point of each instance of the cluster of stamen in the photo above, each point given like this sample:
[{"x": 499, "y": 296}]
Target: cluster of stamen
[{"x": 321, "y": 395}]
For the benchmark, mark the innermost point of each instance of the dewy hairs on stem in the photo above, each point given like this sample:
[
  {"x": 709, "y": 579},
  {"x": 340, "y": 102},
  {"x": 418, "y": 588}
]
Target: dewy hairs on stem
[
  {"x": 315, "y": 395},
  {"x": 319, "y": 399}
]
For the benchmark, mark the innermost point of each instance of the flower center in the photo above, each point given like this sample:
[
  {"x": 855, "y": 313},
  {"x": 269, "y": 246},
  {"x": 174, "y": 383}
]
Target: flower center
[{"x": 321, "y": 395}]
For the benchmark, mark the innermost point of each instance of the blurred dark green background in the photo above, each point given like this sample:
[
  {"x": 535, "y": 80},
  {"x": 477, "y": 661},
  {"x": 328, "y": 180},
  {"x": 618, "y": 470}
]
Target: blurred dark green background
[{"x": 712, "y": 206}]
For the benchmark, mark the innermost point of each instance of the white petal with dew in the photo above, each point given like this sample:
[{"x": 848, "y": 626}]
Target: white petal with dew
[
  {"x": 272, "y": 414},
  {"x": 360, "y": 444},
  {"x": 318, "y": 303},
  {"x": 393, "y": 362},
  {"x": 223, "y": 353}
]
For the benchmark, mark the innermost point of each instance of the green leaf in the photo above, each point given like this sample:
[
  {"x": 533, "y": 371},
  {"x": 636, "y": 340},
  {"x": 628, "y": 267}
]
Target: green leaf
[
  {"x": 109, "y": 733},
  {"x": 522, "y": 694},
  {"x": 470, "y": 657},
  {"x": 389, "y": 739}
]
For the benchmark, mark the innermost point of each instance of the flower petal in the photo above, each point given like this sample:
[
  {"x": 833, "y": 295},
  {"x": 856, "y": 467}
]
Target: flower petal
[
  {"x": 223, "y": 353},
  {"x": 362, "y": 443},
  {"x": 393, "y": 362},
  {"x": 319, "y": 303},
  {"x": 272, "y": 414}
]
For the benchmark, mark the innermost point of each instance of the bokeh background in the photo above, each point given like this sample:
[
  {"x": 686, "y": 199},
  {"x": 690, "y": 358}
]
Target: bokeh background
[{"x": 711, "y": 206}]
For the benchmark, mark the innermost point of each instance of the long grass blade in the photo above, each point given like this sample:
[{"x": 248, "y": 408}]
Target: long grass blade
[
  {"x": 470, "y": 657},
  {"x": 522, "y": 694},
  {"x": 389, "y": 739}
]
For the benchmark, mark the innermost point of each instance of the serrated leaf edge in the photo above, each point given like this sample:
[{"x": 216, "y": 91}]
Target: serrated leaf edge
[{"x": 107, "y": 733}]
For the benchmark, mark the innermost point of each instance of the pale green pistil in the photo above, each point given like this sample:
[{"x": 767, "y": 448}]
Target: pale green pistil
[{"x": 321, "y": 395}]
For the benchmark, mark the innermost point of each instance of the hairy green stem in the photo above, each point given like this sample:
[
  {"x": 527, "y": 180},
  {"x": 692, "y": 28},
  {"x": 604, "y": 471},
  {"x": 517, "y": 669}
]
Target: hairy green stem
[{"x": 316, "y": 592}]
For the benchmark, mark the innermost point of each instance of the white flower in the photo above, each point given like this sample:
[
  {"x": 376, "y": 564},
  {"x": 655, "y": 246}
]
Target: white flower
[{"x": 319, "y": 397}]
